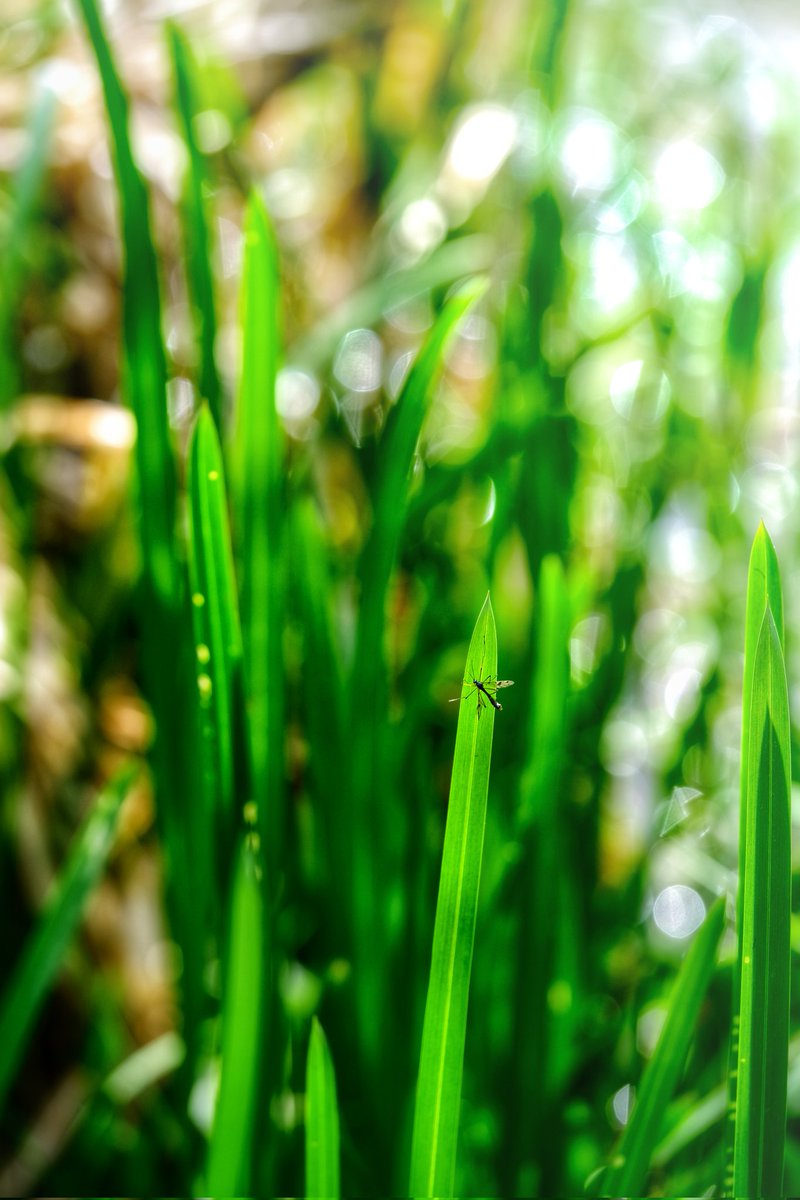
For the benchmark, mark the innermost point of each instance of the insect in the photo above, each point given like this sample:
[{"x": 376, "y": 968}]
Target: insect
[{"x": 484, "y": 689}]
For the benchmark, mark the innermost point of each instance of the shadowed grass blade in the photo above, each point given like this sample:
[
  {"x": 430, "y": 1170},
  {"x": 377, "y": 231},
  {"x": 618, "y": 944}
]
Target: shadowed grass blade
[
  {"x": 145, "y": 372},
  {"x": 438, "y": 1098},
  {"x": 45, "y": 948},
  {"x": 764, "y": 938},
  {"x": 243, "y": 1009},
  {"x": 627, "y": 1174},
  {"x": 258, "y": 508},
  {"x": 215, "y": 616},
  {"x": 196, "y": 232},
  {"x": 322, "y": 1119},
  {"x": 763, "y": 592}
]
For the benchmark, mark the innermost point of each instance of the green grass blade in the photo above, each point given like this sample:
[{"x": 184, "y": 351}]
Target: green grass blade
[
  {"x": 438, "y": 1098},
  {"x": 258, "y": 508},
  {"x": 322, "y": 1119},
  {"x": 627, "y": 1174},
  {"x": 243, "y": 1009},
  {"x": 215, "y": 615},
  {"x": 764, "y": 939},
  {"x": 370, "y": 774},
  {"x": 45, "y": 949},
  {"x": 196, "y": 232},
  {"x": 763, "y": 592},
  {"x": 25, "y": 192},
  {"x": 145, "y": 372}
]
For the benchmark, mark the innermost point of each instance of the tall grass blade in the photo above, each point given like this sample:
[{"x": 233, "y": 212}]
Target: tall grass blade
[
  {"x": 243, "y": 1009},
  {"x": 257, "y": 493},
  {"x": 145, "y": 369},
  {"x": 763, "y": 592},
  {"x": 215, "y": 615},
  {"x": 44, "y": 951},
  {"x": 441, "y": 1063},
  {"x": 627, "y": 1174},
  {"x": 764, "y": 937},
  {"x": 196, "y": 232},
  {"x": 322, "y": 1119},
  {"x": 369, "y": 821}
]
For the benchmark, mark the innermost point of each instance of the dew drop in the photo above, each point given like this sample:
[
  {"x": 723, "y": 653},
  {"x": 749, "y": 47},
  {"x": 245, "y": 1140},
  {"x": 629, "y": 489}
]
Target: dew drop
[
  {"x": 198, "y": 599},
  {"x": 213, "y": 476},
  {"x": 204, "y": 687},
  {"x": 203, "y": 653}
]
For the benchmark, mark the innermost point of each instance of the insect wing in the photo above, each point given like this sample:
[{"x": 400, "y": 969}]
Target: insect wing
[{"x": 504, "y": 683}]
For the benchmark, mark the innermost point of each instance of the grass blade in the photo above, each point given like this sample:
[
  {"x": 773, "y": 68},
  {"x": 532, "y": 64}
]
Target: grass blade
[
  {"x": 257, "y": 493},
  {"x": 763, "y": 592},
  {"x": 196, "y": 231},
  {"x": 145, "y": 371},
  {"x": 627, "y": 1174},
  {"x": 322, "y": 1119},
  {"x": 45, "y": 949},
  {"x": 438, "y": 1099},
  {"x": 215, "y": 615},
  {"x": 242, "y": 1029},
  {"x": 764, "y": 939}
]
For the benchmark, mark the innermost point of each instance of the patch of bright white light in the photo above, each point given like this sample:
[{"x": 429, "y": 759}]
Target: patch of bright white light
[
  {"x": 690, "y": 554},
  {"x": 623, "y": 209},
  {"x": 771, "y": 489},
  {"x": 423, "y": 225},
  {"x": 614, "y": 275},
  {"x": 359, "y": 361},
  {"x": 624, "y": 746},
  {"x": 624, "y": 383},
  {"x": 482, "y": 141},
  {"x": 648, "y": 1029},
  {"x": 678, "y": 911},
  {"x": 296, "y": 394},
  {"x": 678, "y": 807},
  {"x": 687, "y": 177},
  {"x": 681, "y": 693},
  {"x": 590, "y": 154},
  {"x": 622, "y": 1103},
  {"x": 584, "y": 646}
]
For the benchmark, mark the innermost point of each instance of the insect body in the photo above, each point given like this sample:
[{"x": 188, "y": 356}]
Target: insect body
[{"x": 485, "y": 690}]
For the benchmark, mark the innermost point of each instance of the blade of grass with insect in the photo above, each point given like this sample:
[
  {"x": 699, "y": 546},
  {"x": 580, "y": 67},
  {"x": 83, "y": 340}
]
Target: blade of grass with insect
[
  {"x": 764, "y": 953},
  {"x": 763, "y": 592},
  {"x": 322, "y": 1119},
  {"x": 197, "y": 236},
  {"x": 256, "y": 458},
  {"x": 369, "y": 820},
  {"x": 438, "y": 1096},
  {"x": 627, "y": 1172},
  {"x": 243, "y": 1007},
  {"x": 217, "y": 632},
  {"x": 44, "y": 951},
  {"x": 25, "y": 191}
]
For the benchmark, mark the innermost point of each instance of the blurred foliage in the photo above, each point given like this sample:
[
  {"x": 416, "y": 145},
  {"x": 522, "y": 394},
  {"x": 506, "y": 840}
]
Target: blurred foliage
[{"x": 611, "y": 421}]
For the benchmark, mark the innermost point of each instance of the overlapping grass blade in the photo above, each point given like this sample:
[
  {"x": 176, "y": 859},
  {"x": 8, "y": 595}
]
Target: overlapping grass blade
[
  {"x": 627, "y": 1174},
  {"x": 763, "y": 592},
  {"x": 258, "y": 508},
  {"x": 438, "y": 1097},
  {"x": 45, "y": 949},
  {"x": 215, "y": 615},
  {"x": 145, "y": 373},
  {"x": 368, "y": 820},
  {"x": 243, "y": 1031},
  {"x": 196, "y": 232},
  {"x": 764, "y": 954},
  {"x": 322, "y": 1119}
]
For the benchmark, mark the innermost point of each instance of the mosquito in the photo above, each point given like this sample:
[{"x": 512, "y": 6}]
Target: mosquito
[{"x": 484, "y": 689}]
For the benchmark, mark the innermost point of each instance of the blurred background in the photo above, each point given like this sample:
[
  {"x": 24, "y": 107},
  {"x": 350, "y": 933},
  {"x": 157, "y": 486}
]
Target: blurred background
[{"x": 624, "y": 396}]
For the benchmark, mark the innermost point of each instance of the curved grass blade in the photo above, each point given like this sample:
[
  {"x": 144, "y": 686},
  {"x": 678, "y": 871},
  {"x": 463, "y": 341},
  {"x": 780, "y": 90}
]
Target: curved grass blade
[
  {"x": 322, "y": 1119},
  {"x": 243, "y": 1008},
  {"x": 368, "y": 823},
  {"x": 45, "y": 949},
  {"x": 145, "y": 371},
  {"x": 764, "y": 938},
  {"x": 258, "y": 508},
  {"x": 196, "y": 231},
  {"x": 627, "y": 1174},
  {"x": 215, "y": 617},
  {"x": 438, "y": 1098},
  {"x": 763, "y": 592}
]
